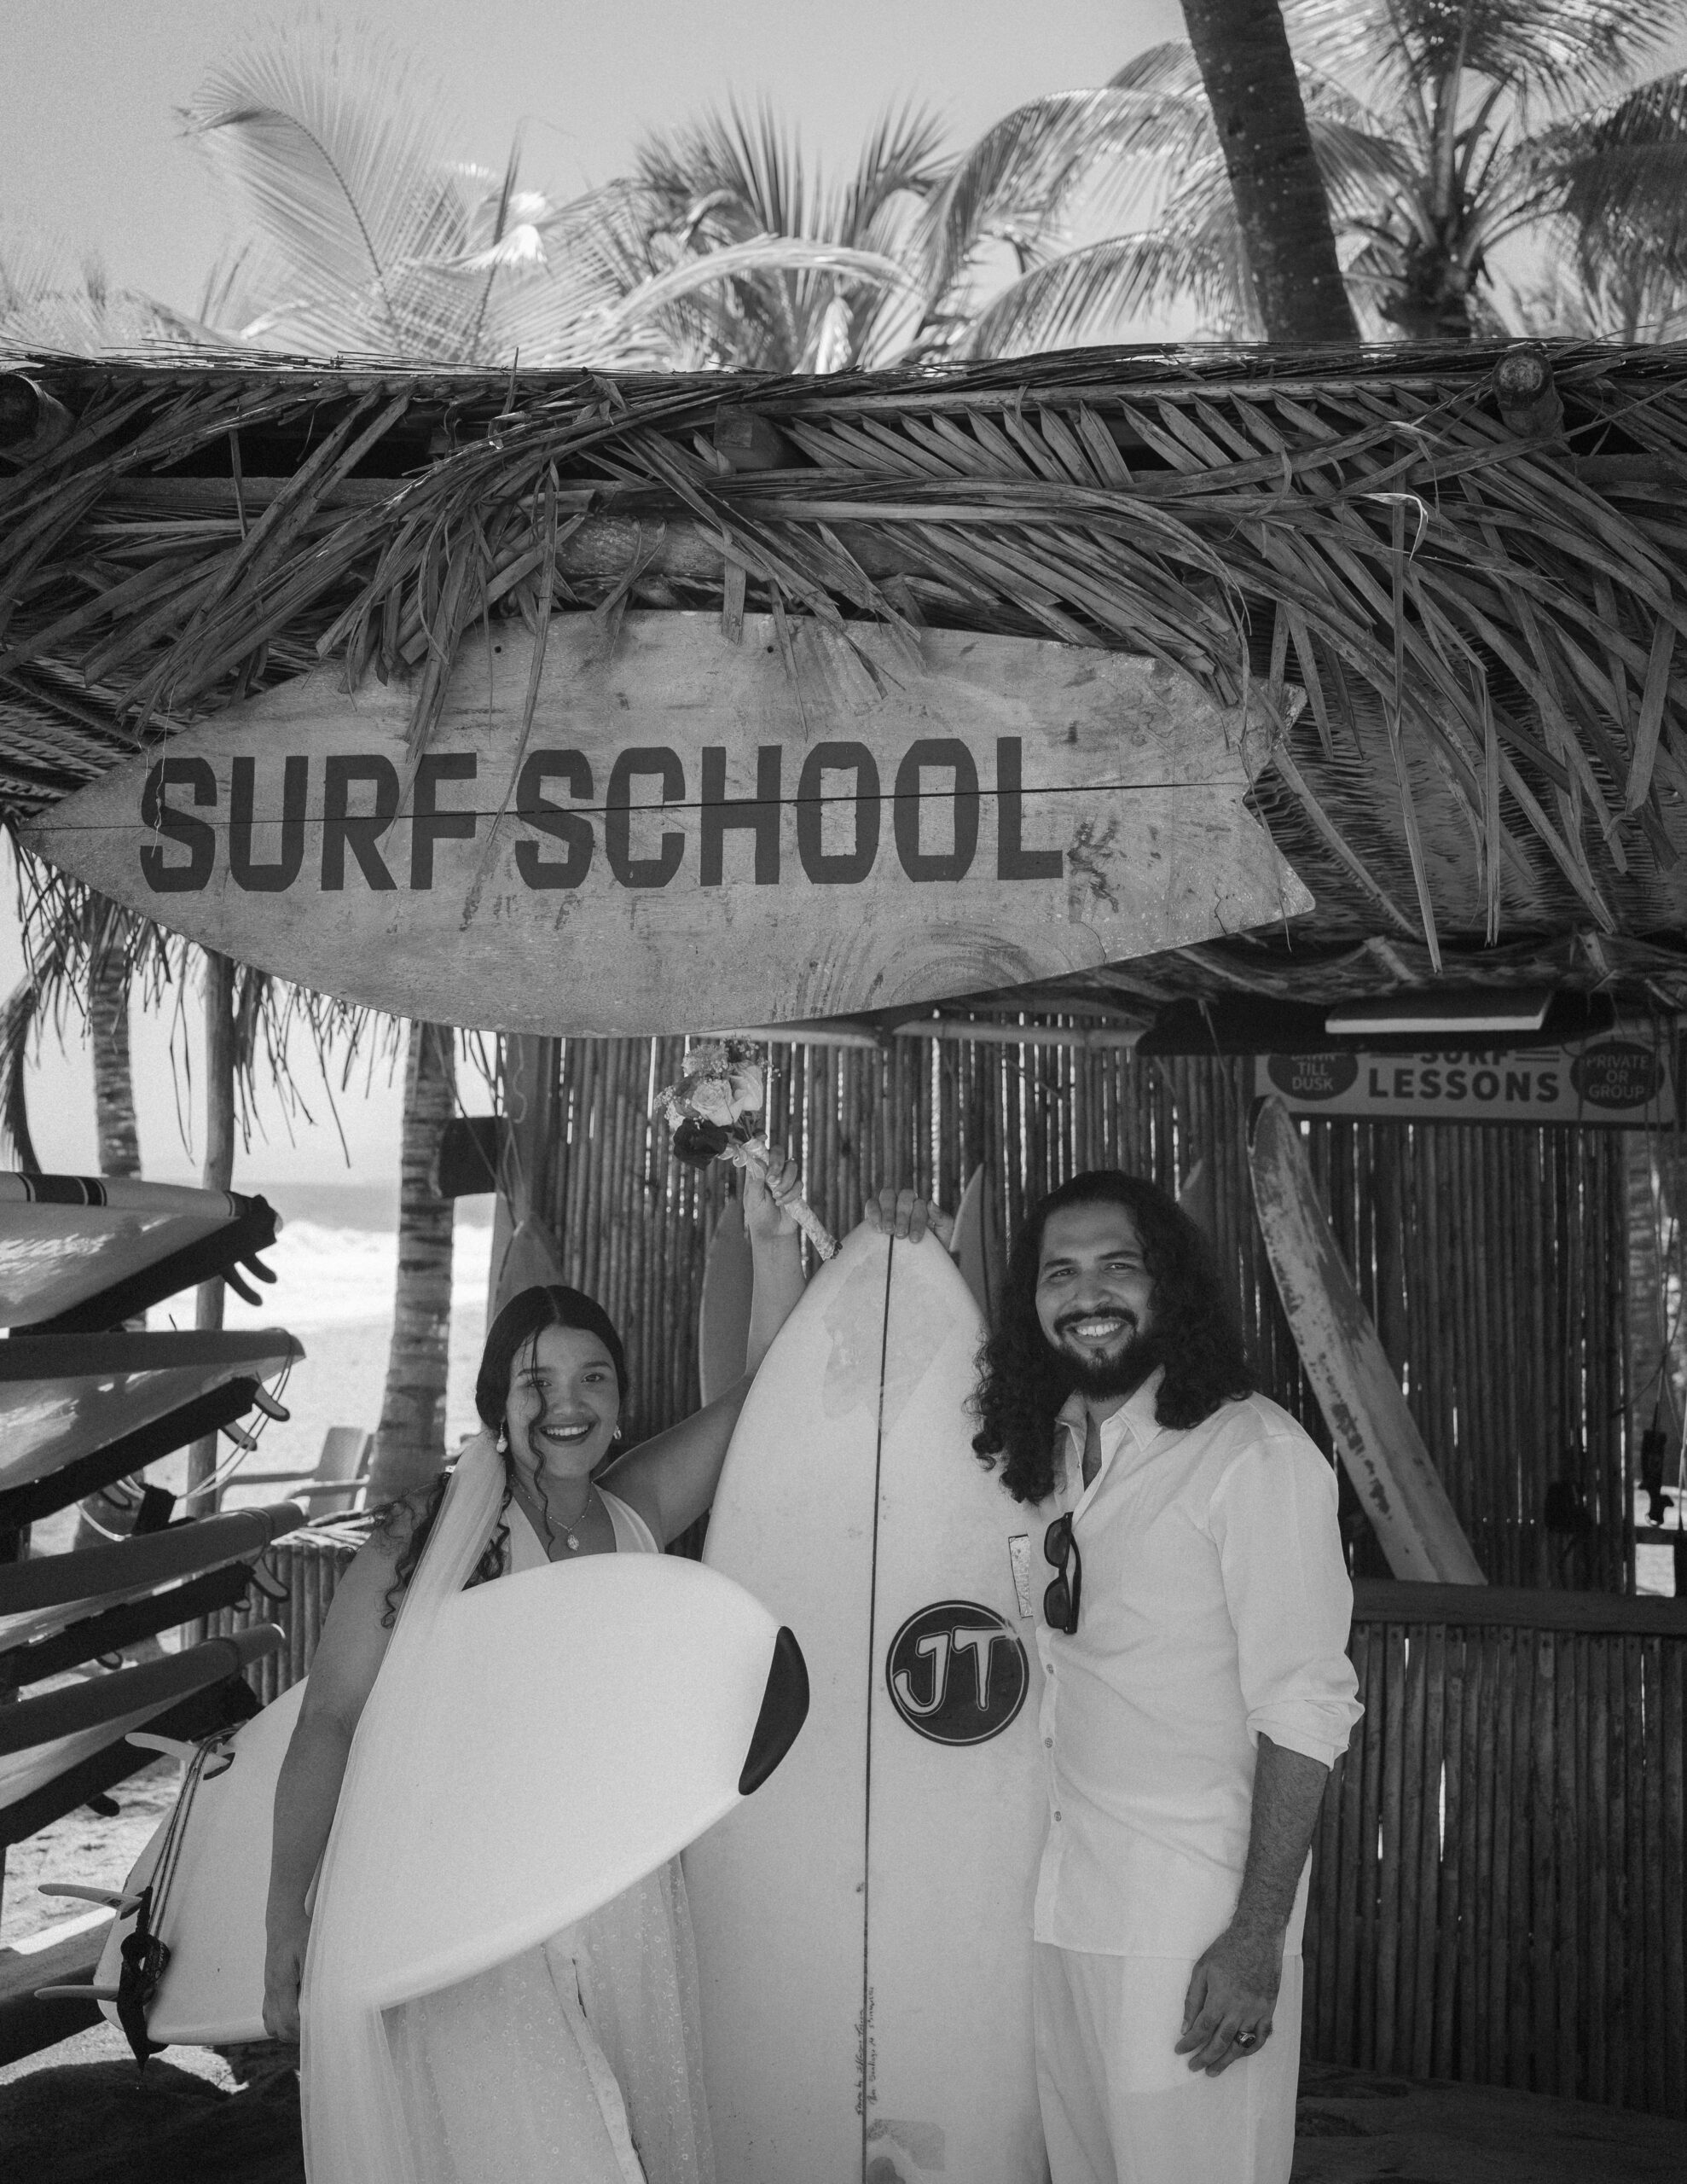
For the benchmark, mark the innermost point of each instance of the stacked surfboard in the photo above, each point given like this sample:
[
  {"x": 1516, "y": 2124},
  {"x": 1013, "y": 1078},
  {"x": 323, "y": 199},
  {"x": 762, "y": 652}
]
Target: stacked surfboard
[{"x": 85, "y": 1401}]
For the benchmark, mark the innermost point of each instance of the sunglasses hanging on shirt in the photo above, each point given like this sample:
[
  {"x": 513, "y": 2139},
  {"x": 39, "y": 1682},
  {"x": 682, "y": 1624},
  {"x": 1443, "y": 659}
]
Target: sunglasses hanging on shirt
[{"x": 1060, "y": 1600}]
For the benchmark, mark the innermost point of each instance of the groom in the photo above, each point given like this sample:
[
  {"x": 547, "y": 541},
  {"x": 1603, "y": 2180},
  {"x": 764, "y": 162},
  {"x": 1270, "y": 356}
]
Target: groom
[{"x": 1196, "y": 1695}]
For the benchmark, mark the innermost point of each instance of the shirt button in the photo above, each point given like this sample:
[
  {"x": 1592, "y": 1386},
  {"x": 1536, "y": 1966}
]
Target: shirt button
[
  {"x": 1059, "y": 1815},
  {"x": 1048, "y": 1743}
]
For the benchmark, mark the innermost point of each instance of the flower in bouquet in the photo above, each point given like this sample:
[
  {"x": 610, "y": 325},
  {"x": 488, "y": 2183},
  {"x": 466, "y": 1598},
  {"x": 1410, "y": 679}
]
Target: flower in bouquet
[{"x": 715, "y": 1111}]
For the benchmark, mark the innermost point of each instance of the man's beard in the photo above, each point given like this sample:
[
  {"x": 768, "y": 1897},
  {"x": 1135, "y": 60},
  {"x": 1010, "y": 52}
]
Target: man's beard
[{"x": 1101, "y": 1377}]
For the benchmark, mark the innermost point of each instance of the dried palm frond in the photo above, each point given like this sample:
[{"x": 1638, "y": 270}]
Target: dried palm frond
[{"x": 1485, "y": 626}]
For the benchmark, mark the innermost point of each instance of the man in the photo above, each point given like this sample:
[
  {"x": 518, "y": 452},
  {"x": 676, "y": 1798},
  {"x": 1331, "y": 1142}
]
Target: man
[{"x": 1197, "y": 1693}]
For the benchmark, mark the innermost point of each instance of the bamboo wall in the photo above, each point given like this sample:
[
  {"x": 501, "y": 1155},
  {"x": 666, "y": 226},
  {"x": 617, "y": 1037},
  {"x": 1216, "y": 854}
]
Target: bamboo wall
[
  {"x": 1493, "y": 1258},
  {"x": 1499, "y": 1882},
  {"x": 1497, "y": 1877}
]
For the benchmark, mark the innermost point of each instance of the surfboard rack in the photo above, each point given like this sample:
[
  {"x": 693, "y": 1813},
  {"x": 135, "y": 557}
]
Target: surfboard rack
[{"x": 784, "y": 1708}]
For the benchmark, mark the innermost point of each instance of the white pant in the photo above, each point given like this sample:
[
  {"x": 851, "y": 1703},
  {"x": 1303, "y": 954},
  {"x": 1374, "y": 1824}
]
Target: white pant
[{"x": 1119, "y": 2107}]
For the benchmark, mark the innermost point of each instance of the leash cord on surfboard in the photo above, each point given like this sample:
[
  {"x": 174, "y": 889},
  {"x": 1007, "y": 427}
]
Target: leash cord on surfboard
[
  {"x": 872, "y": 1687},
  {"x": 145, "y": 1955}
]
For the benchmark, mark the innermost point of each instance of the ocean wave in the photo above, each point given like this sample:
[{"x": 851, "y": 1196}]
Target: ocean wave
[{"x": 328, "y": 1277}]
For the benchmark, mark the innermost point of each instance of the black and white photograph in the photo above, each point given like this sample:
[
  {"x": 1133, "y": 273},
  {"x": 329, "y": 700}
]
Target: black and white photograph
[{"x": 844, "y": 1093}]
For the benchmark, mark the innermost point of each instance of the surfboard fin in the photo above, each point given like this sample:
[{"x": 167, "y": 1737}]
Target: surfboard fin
[
  {"x": 784, "y": 1708},
  {"x": 171, "y": 1747},
  {"x": 112, "y": 1897}
]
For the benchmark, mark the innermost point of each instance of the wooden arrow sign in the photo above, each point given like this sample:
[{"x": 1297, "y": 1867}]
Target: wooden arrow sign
[{"x": 695, "y": 833}]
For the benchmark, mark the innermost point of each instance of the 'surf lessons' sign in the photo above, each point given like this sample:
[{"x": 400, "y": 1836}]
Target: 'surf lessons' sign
[
  {"x": 1622, "y": 1081},
  {"x": 693, "y": 835}
]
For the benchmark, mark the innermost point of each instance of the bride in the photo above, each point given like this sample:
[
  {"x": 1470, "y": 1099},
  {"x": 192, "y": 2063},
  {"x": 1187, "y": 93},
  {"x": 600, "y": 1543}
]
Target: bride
[{"x": 577, "y": 2062}]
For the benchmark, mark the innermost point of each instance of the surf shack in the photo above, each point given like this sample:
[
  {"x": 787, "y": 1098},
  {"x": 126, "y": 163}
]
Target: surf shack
[{"x": 1050, "y": 762}]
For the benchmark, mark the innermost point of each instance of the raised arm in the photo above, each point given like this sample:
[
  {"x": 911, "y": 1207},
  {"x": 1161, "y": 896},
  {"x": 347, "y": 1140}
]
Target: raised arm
[
  {"x": 903, "y": 1213},
  {"x": 671, "y": 1480},
  {"x": 342, "y": 1672}
]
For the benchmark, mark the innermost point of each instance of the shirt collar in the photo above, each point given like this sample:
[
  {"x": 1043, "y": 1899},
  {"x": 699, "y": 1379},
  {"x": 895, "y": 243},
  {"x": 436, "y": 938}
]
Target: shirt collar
[{"x": 1135, "y": 1416}]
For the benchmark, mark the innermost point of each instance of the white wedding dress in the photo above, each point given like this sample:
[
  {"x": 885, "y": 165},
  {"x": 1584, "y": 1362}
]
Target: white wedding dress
[{"x": 577, "y": 2062}]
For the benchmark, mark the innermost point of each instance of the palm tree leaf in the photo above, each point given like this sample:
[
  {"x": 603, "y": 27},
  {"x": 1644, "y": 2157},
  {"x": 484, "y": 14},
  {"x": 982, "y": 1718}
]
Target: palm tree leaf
[
  {"x": 1023, "y": 170},
  {"x": 1619, "y": 174},
  {"x": 766, "y": 253},
  {"x": 1090, "y": 293},
  {"x": 338, "y": 145},
  {"x": 1559, "y": 50}
]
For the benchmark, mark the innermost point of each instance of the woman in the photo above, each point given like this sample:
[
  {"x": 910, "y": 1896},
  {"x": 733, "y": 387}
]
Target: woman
[{"x": 576, "y": 2063}]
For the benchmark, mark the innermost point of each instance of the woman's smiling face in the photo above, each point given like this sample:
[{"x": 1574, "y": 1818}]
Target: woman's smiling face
[{"x": 564, "y": 1403}]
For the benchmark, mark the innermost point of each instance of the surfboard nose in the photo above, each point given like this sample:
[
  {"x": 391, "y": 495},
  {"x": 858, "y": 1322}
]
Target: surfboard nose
[{"x": 784, "y": 1708}]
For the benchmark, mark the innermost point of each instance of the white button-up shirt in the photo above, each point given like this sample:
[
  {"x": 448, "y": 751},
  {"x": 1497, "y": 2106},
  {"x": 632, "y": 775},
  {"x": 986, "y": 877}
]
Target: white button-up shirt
[{"x": 1215, "y": 1606}]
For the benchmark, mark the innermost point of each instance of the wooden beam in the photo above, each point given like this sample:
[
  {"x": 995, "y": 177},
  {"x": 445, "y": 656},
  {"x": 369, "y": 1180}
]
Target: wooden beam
[
  {"x": 26, "y": 2026},
  {"x": 1512, "y": 1608},
  {"x": 600, "y": 550},
  {"x": 1529, "y": 403},
  {"x": 751, "y": 442},
  {"x": 31, "y": 421}
]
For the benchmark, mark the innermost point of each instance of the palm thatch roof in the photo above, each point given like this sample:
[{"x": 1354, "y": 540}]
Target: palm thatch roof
[{"x": 1462, "y": 592}]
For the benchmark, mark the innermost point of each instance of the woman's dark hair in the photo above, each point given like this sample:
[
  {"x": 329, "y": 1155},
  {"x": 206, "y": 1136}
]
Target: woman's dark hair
[
  {"x": 1022, "y": 1381},
  {"x": 521, "y": 1321}
]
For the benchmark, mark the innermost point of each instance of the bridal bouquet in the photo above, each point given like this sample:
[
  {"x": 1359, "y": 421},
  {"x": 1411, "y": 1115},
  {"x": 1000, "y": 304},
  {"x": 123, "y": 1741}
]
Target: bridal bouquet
[{"x": 715, "y": 1113}]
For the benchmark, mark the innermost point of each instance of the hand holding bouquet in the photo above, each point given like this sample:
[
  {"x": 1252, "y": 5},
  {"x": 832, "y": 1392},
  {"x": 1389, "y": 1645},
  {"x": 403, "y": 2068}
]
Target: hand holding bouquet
[{"x": 714, "y": 1112}]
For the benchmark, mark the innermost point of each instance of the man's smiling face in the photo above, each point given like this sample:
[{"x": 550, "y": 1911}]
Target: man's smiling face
[{"x": 1095, "y": 1297}]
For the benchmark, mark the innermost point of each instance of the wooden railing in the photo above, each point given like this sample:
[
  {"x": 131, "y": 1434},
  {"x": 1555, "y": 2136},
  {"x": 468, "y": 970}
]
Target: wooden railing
[
  {"x": 301, "y": 1572},
  {"x": 1498, "y": 1882}
]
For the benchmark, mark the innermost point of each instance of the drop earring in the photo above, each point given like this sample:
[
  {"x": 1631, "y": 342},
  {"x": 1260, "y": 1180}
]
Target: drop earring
[{"x": 502, "y": 1443}]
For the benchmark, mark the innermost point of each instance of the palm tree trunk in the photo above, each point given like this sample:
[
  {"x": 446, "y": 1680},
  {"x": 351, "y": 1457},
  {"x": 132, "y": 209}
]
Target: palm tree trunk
[
  {"x": 118, "y": 1139},
  {"x": 217, "y": 1174},
  {"x": 114, "y": 1119},
  {"x": 1242, "y": 49},
  {"x": 410, "y": 1439}
]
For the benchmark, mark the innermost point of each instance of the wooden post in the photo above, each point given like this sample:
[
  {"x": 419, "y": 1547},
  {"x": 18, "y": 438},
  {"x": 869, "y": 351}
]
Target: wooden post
[
  {"x": 217, "y": 1175},
  {"x": 1529, "y": 403}
]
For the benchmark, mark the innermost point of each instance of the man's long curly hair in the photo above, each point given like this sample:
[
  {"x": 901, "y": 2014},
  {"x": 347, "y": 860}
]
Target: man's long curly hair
[{"x": 1023, "y": 1382}]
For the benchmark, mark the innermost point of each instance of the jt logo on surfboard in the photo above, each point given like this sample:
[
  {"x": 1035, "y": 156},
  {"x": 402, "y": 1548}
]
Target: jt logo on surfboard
[
  {"x": 957, "y": 1673},
  {"x": 351, "y": 802}
]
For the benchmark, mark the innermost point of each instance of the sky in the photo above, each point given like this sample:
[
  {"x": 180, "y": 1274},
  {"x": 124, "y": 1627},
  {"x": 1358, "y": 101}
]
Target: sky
[
  {"x": 167, "y": 1049},
  {"x": 91, "y": 150}
]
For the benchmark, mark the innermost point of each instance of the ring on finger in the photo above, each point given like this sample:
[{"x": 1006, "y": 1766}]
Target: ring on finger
[{"x": 1245, "y": 2039}]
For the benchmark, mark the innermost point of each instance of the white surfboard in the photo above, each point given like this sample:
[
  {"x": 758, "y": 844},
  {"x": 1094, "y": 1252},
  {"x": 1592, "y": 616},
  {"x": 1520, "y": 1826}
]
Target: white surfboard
[
  {"x": 534, "y": 1799},
  {"x": 863, "y": 1927},
  {"x": 976, "y": 1245},
  {"x": 90, "y": 1252}
]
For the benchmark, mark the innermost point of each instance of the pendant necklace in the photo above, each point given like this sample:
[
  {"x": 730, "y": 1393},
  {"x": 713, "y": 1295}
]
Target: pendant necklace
[
  {"x": 572, "y": 1538},
  {"x": 571, "y": 1535}
]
